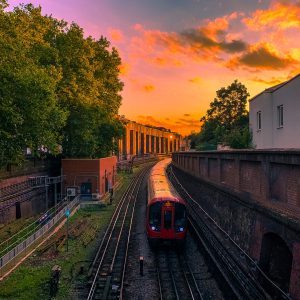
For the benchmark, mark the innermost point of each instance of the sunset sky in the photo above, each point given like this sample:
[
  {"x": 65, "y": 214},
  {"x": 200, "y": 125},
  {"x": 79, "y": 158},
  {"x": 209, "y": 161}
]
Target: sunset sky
[{"x": 177, "y": 53}]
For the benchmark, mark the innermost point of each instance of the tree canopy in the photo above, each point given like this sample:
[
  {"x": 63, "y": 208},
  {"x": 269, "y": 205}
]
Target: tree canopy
[
  {"x": 226, "y": 120},
  {"x": 57, "y": 87}
]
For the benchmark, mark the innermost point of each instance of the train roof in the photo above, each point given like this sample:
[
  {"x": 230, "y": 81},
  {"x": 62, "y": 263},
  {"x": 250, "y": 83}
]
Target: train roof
[{"x": 159, "y": 184}]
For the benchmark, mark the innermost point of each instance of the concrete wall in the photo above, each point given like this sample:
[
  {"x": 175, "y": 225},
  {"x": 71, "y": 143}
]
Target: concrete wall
[
  {"x": 262, "y": 138},
  {"x": 250, "y": 194},
  {"x": 270, "y": 135}
]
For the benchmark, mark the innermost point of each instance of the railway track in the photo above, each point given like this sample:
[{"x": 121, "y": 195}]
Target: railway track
[
  {"x": 108, "y": 268},
  {"x": 239, "y": 277},
  {"x": 8, "y": 201},
  {"x": 175, "y": 278}
]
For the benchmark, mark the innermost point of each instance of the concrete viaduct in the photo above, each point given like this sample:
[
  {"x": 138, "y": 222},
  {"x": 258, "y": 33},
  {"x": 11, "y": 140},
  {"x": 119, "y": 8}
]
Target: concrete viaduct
[
  {"x": 145, "y": 139},
  {"x": 255, "y": 196}
]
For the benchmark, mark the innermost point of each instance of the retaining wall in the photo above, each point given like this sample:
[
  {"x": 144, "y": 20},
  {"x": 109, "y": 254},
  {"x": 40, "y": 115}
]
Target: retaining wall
[{"x": 250, "y": 193}]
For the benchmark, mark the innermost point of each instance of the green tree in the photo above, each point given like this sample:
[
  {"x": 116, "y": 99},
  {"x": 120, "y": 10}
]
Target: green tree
[
  {"x": 89, "y": 90},
  {"x": 226, "y": 116},
  {"x": 239, "y": 138},
  {"x": 56, "y": 87},
  {"x": 29, "y": 112}
]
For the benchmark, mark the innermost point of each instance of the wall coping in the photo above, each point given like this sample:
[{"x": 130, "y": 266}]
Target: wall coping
[
  {"x": 291, "y": 156},
  {"x": 280, "y": 151}
]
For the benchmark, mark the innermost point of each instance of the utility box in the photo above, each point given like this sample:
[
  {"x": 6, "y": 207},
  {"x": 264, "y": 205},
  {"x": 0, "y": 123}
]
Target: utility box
[{"x": 92, "y": 178}]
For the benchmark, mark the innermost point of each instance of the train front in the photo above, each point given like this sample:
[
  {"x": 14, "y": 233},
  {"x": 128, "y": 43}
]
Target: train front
[{"x": 166, "y": 211}]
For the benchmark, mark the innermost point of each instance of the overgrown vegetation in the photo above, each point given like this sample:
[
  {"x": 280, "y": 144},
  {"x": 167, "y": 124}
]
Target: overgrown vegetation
[
  {"x": 226, "y": 121},
  {"x": 8, "y": 230},
  {"x": 58, "y": 89}
]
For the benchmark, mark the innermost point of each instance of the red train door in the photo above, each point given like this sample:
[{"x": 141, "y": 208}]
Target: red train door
[{"x": 168, "y": 217}]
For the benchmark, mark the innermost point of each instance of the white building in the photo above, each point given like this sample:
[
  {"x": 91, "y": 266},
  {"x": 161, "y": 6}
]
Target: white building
[{"x": 275, "y": 116}]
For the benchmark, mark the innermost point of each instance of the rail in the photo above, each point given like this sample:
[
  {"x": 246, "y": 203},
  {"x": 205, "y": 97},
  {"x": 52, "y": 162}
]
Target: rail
[
  {"x": 190, "y": 278},
  {"x": 175, "y": 277},
  {"x": 114, "y": 239}
]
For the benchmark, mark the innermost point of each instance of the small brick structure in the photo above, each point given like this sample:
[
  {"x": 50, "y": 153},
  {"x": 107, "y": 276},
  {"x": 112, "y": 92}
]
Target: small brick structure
[{"x": 92, "y": 178}]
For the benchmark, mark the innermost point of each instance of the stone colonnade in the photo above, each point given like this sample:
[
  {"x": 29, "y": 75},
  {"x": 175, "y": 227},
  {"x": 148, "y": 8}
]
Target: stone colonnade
[{"x": 144, "y": 139}]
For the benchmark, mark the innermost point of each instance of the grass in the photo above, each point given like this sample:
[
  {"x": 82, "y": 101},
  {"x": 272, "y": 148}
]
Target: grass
[
  {"x": 6, "y": 231},
  {"x": 32, "y": 279}
]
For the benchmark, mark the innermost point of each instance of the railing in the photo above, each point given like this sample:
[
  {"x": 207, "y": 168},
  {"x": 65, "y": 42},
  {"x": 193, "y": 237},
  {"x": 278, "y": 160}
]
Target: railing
[{"x": 15, "y": 249}]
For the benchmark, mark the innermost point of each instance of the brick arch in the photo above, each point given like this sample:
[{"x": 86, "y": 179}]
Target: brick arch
[{"x": 276, "y": 261}]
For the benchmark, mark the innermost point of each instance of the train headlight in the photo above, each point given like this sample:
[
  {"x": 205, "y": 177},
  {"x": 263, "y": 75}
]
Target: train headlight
[
  {"x": 179, "y": 229},
  {"x": 155, "y": 228}
]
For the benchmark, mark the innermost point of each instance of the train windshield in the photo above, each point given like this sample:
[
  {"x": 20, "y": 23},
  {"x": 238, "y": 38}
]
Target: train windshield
[
  {"x": 155, "y": 216},
  {"x": 180, "y": 217},
  {"x": 168, "y": 219}
]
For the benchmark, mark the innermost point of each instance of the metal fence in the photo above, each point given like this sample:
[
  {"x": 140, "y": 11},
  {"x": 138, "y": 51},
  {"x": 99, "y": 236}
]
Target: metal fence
[{"x": 41, "y": 232}]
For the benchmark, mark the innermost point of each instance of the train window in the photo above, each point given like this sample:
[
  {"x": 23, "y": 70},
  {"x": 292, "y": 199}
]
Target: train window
[
  {"x": 180, "y": 217},
  {"x": 155, "y": 216},
  {"x": 168, "y": 219}
]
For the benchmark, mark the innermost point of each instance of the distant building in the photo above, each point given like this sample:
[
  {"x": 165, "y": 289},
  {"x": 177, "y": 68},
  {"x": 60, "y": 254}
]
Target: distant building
[
  {"x": 91, "y": 178},
  {"x": 141, "y": 139},
  {"x": 275, "y": 116}
]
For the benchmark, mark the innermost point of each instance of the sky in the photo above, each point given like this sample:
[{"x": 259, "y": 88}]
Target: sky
[{"x": 177, "y": 53}]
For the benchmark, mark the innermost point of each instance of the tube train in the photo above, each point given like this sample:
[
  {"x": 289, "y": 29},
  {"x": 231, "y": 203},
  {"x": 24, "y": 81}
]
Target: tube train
[{"x": 166, "y": 212}]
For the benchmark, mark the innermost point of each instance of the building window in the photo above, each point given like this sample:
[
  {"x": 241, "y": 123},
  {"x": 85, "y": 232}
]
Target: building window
[
  {"x": 258, "y": 118},
  {"x": 280, "y": 116}
]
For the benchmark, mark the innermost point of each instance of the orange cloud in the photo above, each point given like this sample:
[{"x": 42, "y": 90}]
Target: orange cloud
[
  {"x": 213, "y": 36},
  {"x": 160, "y": 61},
  {"x": 183, "y": 126},
  {"x": 116, "y": 35},
  {"x": 149, "y": 88},
  {"x": 283, "y": 15},
  {"x": 166, "y": 61},
  {"x": 222, "y": 41},
  {"x": 262, "y": 56},
  {"x": 217, "y": 27},
  {"x": 295, "y": 53},
  {"x": 138, "y": 27},
  {"x": 196, "y": 80},
  {"x": 209, "y": 42},
  {"x": 199, "y": 40},
  {"x": 124, "y": 68},
  {"x": 271, "y": 82}
]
